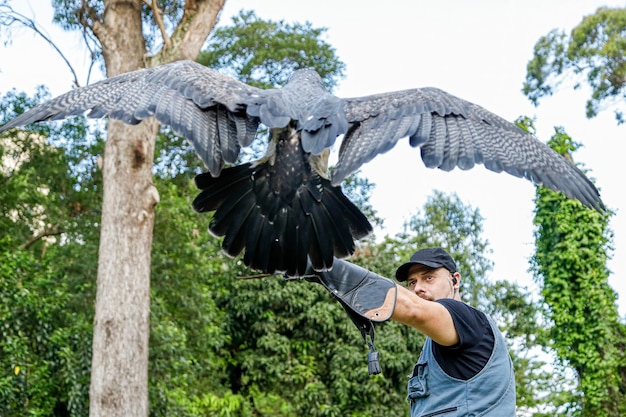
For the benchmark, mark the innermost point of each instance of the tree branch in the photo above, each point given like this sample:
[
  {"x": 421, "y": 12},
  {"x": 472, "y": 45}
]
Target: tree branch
[
  {"x": 158, "y": 17},
  {"x": 91, "y": 32},
  {"x": 90, "y": 19},
  {"x": 49, "y": 231},
  {"x": 8, "y": 17},
  {"x": 199, "y": 18},
  {"x": 256, "y": 276}
]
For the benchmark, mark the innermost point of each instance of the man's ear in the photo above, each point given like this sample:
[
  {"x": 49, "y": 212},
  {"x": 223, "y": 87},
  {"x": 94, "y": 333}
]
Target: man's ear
[{"x": 455, "y": 278}]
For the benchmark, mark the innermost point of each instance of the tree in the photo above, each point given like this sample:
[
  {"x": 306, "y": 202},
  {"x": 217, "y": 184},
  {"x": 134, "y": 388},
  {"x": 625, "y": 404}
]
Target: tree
[
  {"x": 572, "y": 245},
  {"x": 594, "y": 49},
  {"x": 265, "y": 53},
  {"x": 121, "y": 324},
  {"x": 130, "y": 35}
]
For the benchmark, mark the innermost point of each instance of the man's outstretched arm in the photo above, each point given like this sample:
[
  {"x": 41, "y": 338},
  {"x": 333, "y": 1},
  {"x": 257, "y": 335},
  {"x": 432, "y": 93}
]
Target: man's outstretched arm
[
  {"x": 429, "y": 317},
  {"x": 379, "y": 299}
]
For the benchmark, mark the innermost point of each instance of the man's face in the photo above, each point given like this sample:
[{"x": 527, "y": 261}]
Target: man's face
[{"x": 430, "y": 284}]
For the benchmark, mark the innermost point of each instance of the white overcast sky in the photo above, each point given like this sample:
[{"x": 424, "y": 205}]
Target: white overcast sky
[{"x": 477, "y": 50}]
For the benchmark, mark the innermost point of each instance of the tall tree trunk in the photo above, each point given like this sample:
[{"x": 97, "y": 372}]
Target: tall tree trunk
[{"x": 119, "y": 371}]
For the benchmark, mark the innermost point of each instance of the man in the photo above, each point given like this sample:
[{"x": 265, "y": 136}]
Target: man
[{"x": 464, "y": 368}]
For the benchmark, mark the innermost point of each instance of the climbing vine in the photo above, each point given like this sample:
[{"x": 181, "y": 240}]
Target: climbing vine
[{"x": 572, "y": 242}]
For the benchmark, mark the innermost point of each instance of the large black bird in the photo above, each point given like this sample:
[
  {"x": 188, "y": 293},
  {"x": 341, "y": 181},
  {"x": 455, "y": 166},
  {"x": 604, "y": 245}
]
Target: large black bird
[{"x": 283, "y": 207}]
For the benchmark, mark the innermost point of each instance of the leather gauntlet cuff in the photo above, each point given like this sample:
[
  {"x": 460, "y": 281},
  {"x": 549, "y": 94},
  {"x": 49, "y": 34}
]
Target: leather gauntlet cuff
[{"x": 365, "y": 293}]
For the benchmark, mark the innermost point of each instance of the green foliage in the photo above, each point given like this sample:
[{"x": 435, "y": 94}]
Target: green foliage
[
  {"x": 446, "y": 222},
  {"x": 594, "y": 49},
  {"x": 358, "y": 190},
  {"x": 74, "y": 14},
  {"x": 47, "y": 256},
  {"x": 570, "y": 263},
  {"x": 25, "y": 384},
  {"x": 549, "y": 61},
  {"x": 184, "y": 321},
  {"x": 264, "y": 53}
]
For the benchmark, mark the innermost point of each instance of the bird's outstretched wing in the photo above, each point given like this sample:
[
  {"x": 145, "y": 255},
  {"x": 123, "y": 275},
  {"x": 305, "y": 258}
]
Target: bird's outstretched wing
[
  {"x": 203, "y": 106},
  {"x": 452, "y": 132},
  {"x": 282, "y": 209}
]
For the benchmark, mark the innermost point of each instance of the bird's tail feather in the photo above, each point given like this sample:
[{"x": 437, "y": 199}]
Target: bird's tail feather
[
  {"x": 216, "y": 190},
  {"x": 279, "y": 232}
]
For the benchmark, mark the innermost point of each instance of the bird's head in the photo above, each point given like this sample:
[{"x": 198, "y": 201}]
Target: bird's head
[{"x": 305, "y": 76}]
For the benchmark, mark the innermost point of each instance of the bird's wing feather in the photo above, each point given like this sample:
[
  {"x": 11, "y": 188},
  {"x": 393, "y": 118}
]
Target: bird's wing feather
[
  {"x": 325, "y": 122},
  {"x": 451, "y": 133},
  {"x": 200, "y": 104}
]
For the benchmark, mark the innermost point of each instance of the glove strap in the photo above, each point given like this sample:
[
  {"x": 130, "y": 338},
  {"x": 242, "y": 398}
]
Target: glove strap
[{"x": 366, "y": 327}]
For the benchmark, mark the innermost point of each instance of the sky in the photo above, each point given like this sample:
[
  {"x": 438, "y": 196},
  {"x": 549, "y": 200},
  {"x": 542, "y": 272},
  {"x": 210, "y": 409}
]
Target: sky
[{"x": 477, "y": 50}]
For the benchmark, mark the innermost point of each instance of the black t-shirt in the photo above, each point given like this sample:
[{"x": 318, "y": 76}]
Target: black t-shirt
[{"x": 476, "y": 340}]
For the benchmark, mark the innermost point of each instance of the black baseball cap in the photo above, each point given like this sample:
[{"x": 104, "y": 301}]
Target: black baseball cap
[{"x": 431, "y": 257}]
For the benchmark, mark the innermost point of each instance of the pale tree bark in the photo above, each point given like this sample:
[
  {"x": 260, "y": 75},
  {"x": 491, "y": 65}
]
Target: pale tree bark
[
  {"x": 119, "y": 376},
  {"x": 119, "y": 371}
]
